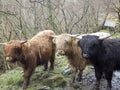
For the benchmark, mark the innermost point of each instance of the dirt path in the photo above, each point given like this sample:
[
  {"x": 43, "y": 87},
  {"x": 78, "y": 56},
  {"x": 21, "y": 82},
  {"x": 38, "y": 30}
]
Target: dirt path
[{"x": 88, "y": 81}]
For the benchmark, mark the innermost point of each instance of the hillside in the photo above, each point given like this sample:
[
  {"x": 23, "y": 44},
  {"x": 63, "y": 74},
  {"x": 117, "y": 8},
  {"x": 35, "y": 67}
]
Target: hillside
[{"x": 57, "y": 79}]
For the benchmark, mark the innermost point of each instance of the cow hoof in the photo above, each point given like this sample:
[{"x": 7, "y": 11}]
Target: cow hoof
[
  {"x": 44, "y": 69},
  {"x": 24, "y": 87},
  {"x": 95, "y": 88},
  {"x": 72, "y": 81},
  {"x": 79, "y": 79},
  {"x": 108, "y": 88},
  {"x": 51, "y": 69}
]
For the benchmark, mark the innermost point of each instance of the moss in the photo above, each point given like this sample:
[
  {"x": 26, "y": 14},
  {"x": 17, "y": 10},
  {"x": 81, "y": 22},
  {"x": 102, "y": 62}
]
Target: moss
[
  {"x": 39, "y": 87},
  {"x": 116, "y": 35},
  {"x": 40, "y": 80},
  {"x": 55, "y": 81},
  {"x": 12, "y": 77},
  {"x": 104, "y": 30}
]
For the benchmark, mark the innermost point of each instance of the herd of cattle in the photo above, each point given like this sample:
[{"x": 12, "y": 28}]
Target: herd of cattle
[{"x": 81, "y": 50}]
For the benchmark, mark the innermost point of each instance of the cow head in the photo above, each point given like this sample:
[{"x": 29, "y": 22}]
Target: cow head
[
  {"x": 63, "y": 44},
  {"x": 13, "y": 50},
  {"x": 90, "y": 45}
]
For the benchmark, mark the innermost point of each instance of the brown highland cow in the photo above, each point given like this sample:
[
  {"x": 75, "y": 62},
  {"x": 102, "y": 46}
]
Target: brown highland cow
[
  {"x": 36, "y": 51},
  {"x": 66, "y": 45}
]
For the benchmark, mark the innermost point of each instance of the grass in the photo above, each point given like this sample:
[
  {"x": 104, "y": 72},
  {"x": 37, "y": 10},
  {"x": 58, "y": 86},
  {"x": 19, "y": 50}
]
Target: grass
[
  {"x": 116, "y": 35},
  {"x": 12, "y": 79}
]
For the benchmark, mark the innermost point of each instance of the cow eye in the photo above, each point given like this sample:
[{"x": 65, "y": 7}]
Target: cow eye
[
  {"x": 17, "y": 50},
  {"x": 67, "y": 42},
  {"x": 93, "y": 46}
]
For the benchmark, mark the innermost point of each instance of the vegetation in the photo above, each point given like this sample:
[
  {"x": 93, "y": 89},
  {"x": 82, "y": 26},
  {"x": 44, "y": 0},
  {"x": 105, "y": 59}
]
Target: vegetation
[
  {"x": 22, "y": 19},
  {"x": 12, "y": 79}
]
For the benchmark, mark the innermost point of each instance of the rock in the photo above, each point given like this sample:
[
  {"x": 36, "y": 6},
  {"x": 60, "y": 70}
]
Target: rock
[
  {"x": 44, "y": 88},
  {"x": 76, "y": 85},
  {"x": 67, "y": 70},
  {"x": 69, "y": 88}
]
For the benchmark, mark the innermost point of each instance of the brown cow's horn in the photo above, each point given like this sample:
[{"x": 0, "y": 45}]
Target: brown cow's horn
[
  {"x": 23, "y": 42},
  {"x": 78, "y": 36},
  {"x": 75, "y": 35},
  {"x": 52, "y": 36},
  {"x": 3, "y": 43}
]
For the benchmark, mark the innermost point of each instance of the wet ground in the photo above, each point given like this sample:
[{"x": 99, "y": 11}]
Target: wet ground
[
  {"x": 88, "y": 81},
  {"x": 58, "y": 79}
]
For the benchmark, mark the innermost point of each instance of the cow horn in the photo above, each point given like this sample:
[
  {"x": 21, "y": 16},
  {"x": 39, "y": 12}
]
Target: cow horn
[
  {"x": 23, "y": 42},
  {"x": 52, "y": 36},
  {"x": 77, "y": 36},
  {"x": 3, "y": 43},
  {"x": 104, "y": 37}
]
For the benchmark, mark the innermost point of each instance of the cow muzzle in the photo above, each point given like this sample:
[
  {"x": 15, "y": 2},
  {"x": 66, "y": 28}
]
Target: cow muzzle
[
  {"x": 60, "y": 52},
  {"x": 85, "y": 55},
  {"x": 9, "y": 58}
]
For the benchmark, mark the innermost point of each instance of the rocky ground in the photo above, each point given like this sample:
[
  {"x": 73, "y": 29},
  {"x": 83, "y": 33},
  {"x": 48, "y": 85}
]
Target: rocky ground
[{"x": 58, "y": 79}]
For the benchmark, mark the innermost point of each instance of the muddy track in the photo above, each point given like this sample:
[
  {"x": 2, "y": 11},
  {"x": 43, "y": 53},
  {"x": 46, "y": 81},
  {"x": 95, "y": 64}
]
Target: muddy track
[{"x": 88, "y": 82}]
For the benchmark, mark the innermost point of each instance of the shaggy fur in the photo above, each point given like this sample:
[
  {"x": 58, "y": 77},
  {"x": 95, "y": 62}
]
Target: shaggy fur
[
  {"x": 36, "y": 51},
  {"x": 66, "y": 45},
  {"x": 103, "y": 54}
]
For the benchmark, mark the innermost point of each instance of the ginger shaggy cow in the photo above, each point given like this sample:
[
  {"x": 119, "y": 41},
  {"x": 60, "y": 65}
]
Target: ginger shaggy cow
[
  {"x": 36, "y": 51},
  {"x": 66, "y": 45}
]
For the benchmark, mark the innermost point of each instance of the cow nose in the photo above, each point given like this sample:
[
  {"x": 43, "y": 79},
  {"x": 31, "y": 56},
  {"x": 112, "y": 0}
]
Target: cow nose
[
  {"x": 85, "y": 55},
  {"x": 61, "y": 52},
  {"x": 9, "y": 58}
]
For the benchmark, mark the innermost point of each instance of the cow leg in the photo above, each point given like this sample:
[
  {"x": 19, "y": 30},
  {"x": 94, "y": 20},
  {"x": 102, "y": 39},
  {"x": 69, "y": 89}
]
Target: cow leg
[
  {"x": 98, "y": 75},
  {"x": 80, "y": 74},
  {"x": 108, "y": 76},
  {"x": 45, "y": 66},
  {"x": 52, "y": 61},
  {"x": 27, "y": 75},
  {"x": 26, "y": 82},
  {"x": 74, "y": 71}
]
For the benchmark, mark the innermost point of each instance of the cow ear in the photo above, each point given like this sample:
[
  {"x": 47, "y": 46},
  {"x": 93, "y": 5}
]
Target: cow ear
[
  {"x": 53, "y": 37},
  {"x": 101, "y": 41},
  {"x": 24, "y": 45},
  {"x": 74, "y": 40},
  {"x": 54, "y": 40},
  {"x": 78, "y": 43}
]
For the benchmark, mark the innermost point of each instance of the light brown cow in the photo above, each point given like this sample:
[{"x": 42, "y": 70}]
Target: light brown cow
[
  {"x": 36, "y": 51},
  {"x": 67, "y": 45}
]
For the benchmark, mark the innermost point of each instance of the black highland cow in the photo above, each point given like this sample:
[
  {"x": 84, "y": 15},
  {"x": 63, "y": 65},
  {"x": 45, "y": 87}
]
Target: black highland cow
[{"x": 104, "y": 54}]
